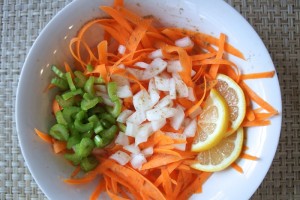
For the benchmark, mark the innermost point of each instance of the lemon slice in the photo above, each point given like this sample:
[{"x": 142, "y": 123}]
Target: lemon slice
[
  {"x": 212, "y": 122},
  {"x": 222, "y": 155},
  {"x": 235, "y": 100}
]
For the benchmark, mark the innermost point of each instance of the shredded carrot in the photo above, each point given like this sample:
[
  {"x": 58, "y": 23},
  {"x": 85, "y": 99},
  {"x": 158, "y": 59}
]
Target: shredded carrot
[
  {"x": 235, "y": 166},
  {"x": 59, "y": 146},
  {"x": 55, "y": 106},
  {"x": 75, "y": 172},
  {"x": 43, "y": 136},
  {"x": 214, "y": 68},
  {"x": 249, "y": 157},
  {"x": 269, "y": 74}
]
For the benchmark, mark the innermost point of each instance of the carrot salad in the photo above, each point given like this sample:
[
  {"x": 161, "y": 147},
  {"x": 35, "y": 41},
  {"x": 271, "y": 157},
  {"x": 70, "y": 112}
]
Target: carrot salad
[{"x": 138, "y": 94}]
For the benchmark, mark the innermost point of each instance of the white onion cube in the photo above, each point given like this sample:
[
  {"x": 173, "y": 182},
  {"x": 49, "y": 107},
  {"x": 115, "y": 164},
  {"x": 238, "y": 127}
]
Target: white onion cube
[
  {"x": 156, "y": 54},
  {"x": 158, "y": 124},
  {"x": 132, "y": 148},
  {"x": 142, "y": 101},
  {"x": 190, "y": 129},
  {"x": 137, "y": 117},
  {"x": 137, "y": 160},
  {"x": 147, "y": 151},
  {"x": 172, "y": 90},
  {"x": 184, "y": 42},
  {"x": 159, "y": 113},
  {"x": 121, "y": 157},
  {"x": 124, "y": 91},
  {"x": 131, "y": 129},
  {"x": 122, "y": 139},
  {"x": 121, "y": 49},
  {"x": 181, "y": 87},
  {"x": 153, "y": 92},
  {"x": 124, "y": 115},
  {"x": 141, "y": 65},
  {"x": 162, "y": 84},
  {"x": 178, "y": 118},
  {"x": 174, "y": 66}
]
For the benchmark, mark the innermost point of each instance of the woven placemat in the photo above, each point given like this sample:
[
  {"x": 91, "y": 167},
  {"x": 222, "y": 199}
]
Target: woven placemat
[{"x": 278, "y": 24}]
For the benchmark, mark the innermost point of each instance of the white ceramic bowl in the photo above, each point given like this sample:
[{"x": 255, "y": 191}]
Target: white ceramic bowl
[{"x": 51, "y": 47}]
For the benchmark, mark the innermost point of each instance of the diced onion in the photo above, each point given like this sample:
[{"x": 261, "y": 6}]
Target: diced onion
[
  {"x": 178, "y": 118},
  {"x": 121, "y": 157},
  {"x": 132, "y": 148},
  {"x": 141, "y": 65},
  {"x": 158, "y": 124},
  {"x": 172, "y": 90},
  {"x": 131, "y": 129},
  {"x": 124, "y": 91},
  {"x": 153, "y": 92},
  {"x": 156, "y": 54},
  {"x": 162, "y": 84},
  {"x": 124, "y": 115},
  {"x": 159, "y": 113},
  {"x": 181, "y": 87},
  {"x": 190, "y": 129},
  {"x": 121, "y": 49},
  {"x": 122, "y": 139},
  {"x": 137, "y": 117},
  {"x": 137, "y": 160},
  {"x": 142, "y": 101},
  {"x": 164, "y": 102},
  {"x": 148, "y": 151},
  {"x": 184, "y": 42},
  {"x": 174, "y": 66}
]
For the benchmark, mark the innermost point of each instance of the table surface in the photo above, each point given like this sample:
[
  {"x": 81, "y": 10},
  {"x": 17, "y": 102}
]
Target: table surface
[{"x": 278, "y": 24}]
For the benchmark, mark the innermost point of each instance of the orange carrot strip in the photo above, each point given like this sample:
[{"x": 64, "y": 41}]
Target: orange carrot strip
[
  {"x": 102, "y": 52},
  {"x": 197, "y": 105},
  {"x": 237, "y": 167},
  {"x": 249, "y": 157},
  {"x": 269, "y": 74},
  {"x": 203, "y": 56},
  {"x": 59, "y": 146},
  {"x": 55, "y": 106},
  {"x": 118, "y": 17},
  {"x": 257, "y": 98},
  {"x": 148, "y": 187},
  {"x": 98, "y": 190},
  {"x": 256, "y": 123},
  {"x": 185, "y": 102},
  {"x": 263, "y": 116},
  {"x": 250, "y": 115},
  {"x": 185, "y": 61},
  {"x": 160, "y": 37},
  {"x": 137, "y": 35},
  {"x": 214, "y": 68},
  {"x": 68, "y": 69},
  {"x": 160, "y": 160},
  {"x": 191, "y": 189},
  {"x": 75, "y": 172},
  {"x": 167, "y": 185},
  {"x": 44, "y": 136},
  {"x": 166, "y": 151},
  {"x": 123, "y": 182},
  {"x": 118, "y": 3},
  {"x": 115, "y": 34}
]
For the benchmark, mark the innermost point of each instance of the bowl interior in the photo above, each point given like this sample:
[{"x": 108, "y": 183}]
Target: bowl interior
[{"x": 33, "y": 103}]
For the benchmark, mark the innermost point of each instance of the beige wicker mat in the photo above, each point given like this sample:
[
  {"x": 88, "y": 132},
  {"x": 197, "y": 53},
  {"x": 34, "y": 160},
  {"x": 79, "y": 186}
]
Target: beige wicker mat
[{"x": 276, "y": 21}]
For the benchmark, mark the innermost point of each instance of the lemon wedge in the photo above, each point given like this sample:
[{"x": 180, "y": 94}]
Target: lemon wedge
[
  {"x": 212, "y": 122},
  {"x": 222, "y": 155},
  {"x": 235, "y": 99}
]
